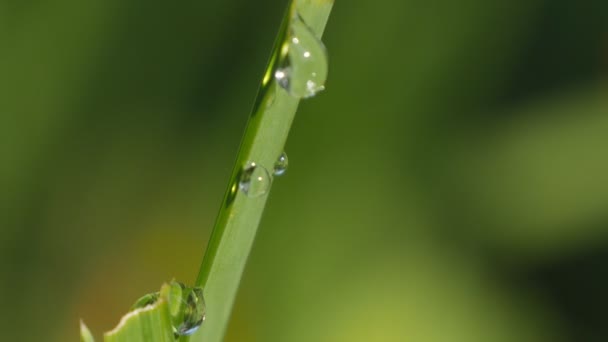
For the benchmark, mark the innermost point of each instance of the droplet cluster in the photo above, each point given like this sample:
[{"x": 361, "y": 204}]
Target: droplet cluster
[{"x": 255, "y": 180}]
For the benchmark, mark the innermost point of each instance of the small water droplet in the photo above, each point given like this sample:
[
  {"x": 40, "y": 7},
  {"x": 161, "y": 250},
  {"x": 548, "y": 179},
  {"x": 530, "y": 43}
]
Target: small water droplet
[
  {"x": 149, "y": 299},
  {"x": 280, "y": 167},
  {"x": 255, "y": 180},
  {"x": 304, "y": 70}
]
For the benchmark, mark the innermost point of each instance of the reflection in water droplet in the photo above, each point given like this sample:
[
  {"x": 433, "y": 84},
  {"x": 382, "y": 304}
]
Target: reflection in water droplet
[
  {"x": 304, "y": 71},
  {"x": 280, "y": 167},
  {"x": 255, "y": 180}
]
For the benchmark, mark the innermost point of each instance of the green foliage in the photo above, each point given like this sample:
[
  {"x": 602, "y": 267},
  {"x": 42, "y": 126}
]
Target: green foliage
[
  {"x": 237, "y": 223},
  {"x": 459, "y": 152},
  {"x": 148, "y": 321},
  {"x": 151, "y": 323},
  {"x": 175, "y": 310}
]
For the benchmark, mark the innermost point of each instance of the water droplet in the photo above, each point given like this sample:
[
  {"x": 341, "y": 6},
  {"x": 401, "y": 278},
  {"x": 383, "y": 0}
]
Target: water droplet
[
  {"x": 280, "y": 167},
  {"x": 304, "y": 69},
  {"x": 186, "y": 306},
  {"x": 146, "y": 300},
  {"x": 255, "y": 180},
  {"x": 193, "y": 311}
]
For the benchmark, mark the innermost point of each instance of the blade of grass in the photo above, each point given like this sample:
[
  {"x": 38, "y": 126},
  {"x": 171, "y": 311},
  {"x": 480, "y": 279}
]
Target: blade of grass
[
  {"x": 148, "y": 324},
  {"x": 85, "y": 333},
  {"x": 239, "y": 216}
]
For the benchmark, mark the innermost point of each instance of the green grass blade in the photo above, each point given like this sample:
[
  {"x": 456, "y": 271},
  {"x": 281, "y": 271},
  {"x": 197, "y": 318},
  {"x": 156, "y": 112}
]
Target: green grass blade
[
  {"x": 239, "y": 216},
  {"x": 148, "y": 324}
]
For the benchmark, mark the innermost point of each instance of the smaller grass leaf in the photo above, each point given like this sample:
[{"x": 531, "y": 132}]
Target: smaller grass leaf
[
  {"x": 151, "y": 323},
  {"x": 85, "y": 333}
]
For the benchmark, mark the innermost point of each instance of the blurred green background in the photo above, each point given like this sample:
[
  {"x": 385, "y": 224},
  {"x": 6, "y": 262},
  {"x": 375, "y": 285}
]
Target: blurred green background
[{"x": 450, "y": 185}]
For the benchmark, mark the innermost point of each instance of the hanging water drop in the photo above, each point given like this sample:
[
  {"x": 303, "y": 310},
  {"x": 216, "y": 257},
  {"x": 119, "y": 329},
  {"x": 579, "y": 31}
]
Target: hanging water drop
[
  {"x": 255, "y": 180},
  {"x": 193, "y": 311},
  {"x": 280, "y": 167},
  {"x": 186, "y": 306},
  {"x": 303, "y": 70}
]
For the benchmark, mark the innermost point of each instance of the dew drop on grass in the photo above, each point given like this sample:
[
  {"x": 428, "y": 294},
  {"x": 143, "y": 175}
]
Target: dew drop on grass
[
  {"x": 191, "y": 310},
  {"x": 304, "y": 68},
  {"x": 149, "y": 299},
  {"x": 280, "y": 167},
  {"x": 255, "y": 180},
  {"x": 186, "y": 306}
]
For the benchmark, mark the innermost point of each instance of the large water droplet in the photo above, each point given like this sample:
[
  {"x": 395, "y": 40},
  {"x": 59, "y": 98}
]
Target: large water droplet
[
  {"x": 303, "y": 71},
  {"x": 187, "y": 307},
  {"x": 255, "y": 180},
  {"x": 280, "y": 167},
  {"x": 193, "y": 311}
]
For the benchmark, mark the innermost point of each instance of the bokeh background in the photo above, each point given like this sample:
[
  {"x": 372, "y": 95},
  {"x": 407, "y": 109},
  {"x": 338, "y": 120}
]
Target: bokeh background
[{"x": 451, "y": 184}]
